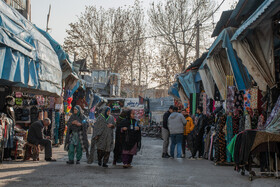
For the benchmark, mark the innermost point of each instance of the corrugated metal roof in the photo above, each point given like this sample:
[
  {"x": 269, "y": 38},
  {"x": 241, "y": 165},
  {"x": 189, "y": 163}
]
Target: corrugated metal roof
[
  {"x": 242, "y": 11},
  {"x": 222, "y": 23},
  {"x": 265, "y": 10}
]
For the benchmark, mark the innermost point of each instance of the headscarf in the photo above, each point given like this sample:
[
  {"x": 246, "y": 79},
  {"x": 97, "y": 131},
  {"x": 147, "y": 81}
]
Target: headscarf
[
  {"x": 106, "y": 110},
  {"x": 80, "y": 111},
  {"x": 128, "y": 114},
  {"x": 123, "y": 115}
]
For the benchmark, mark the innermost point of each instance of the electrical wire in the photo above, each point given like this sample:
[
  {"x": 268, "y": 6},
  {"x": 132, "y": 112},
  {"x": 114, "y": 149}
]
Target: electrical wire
[
  {"x": 152, "y": 36},
  {"x": 215, "y": 10},
  {"x": 136, "y": 39}
]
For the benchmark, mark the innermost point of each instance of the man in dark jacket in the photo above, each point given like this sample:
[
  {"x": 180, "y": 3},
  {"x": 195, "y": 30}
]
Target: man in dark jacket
[
  {"x": 198, "y": 135},
  {"x": 165, "y": 132},
  {"x": 35, "y": 136}
]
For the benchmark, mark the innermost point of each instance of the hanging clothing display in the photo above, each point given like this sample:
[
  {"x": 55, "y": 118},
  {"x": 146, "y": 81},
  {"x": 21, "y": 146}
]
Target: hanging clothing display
[
  {"x": 261, "y": 122},
  {"x": 255, "y": 119},
  {"x": 254, "y": 98},
  {"x": 56, "y": 128},
  {"x": 222, "y": 140},
  {"x": 52, "y": 126},
  {"x": 204, "y": 101},
  {"x": 235, "y": 123},
  {"x": 248, "y": 122},
  {"x": 191, "y": 104},
  {"x": 230, "y": 98},
  {"x": 247, "y": 98},
  {"x": 61, "y": 128},
  {"x": 194, "y": 104},
  {"x": 274, "y": 112},
  {"x": 238, "y": 100},
  {"x": 229, "y": 135},
  {"x": 217, "y": 96}
]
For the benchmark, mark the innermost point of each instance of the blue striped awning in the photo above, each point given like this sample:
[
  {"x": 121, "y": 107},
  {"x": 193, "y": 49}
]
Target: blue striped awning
[{"x": 27, "y": 59}]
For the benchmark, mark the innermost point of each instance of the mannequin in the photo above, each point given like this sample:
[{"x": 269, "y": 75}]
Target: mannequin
[{"x": 10, "y": 102}]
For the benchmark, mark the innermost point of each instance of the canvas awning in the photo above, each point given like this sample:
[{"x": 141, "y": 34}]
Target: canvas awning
[
  {"x": 27, "y": 59},
  {"x": 187, "y": 80},
  {"x": 253, "y": 42},
  {"x": 65, "y": 63},
  {"x": 183, "y": 96},
  {"x": 207, "y": 80},
  {"x": 223, "y": 61},
  {"x": 173, "y": 91}
]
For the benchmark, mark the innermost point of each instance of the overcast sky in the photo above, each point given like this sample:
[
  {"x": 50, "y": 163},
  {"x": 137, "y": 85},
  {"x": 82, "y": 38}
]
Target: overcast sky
[{"x": 64, "y": 12}]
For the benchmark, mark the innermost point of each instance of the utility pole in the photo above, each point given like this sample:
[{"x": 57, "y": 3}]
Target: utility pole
[
  {"x": 48, "y": 19},
  {"x": 140, "y": 72},
  {"x": 197, "y": 25}
]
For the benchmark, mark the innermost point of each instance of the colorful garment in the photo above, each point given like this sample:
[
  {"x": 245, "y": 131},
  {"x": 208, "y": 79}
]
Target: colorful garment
[
  {"x": 248, "y": 122},
  {"x": 273, "y": 125},
  {"x": 205, "y": 103},
  {"x": 274, "y": 112},
  {"x": 222, "y": 140},
  {"x": 255, "y": 119},
  {"x": 235, "y": 124},
  {"x": 238, "y": 100},
  {"x": 247, "y": 98},
  {"x": 261, "y": 122},
  {"x": 194, "y": 104},
  {"x": 231, "y": 146},
  {"x": 74, "y": 131},
  {"x": 230, "y": 99},
  {"x": 254, "y": 98},
  {"x": 229, "y": 135}
]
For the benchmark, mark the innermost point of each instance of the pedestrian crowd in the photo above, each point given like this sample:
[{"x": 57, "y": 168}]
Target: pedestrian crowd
[
  {"x": 184, "y": 131},
  {"x": 125, "y": 144}
]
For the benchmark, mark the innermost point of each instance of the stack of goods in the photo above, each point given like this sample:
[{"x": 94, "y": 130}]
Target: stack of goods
[
  {"x": 19, "y": 142},
  {"x": 7, "y": 137}
]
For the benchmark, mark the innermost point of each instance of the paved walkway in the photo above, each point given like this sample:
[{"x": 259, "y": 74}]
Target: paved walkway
[{"x": 149, "y": 170}]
